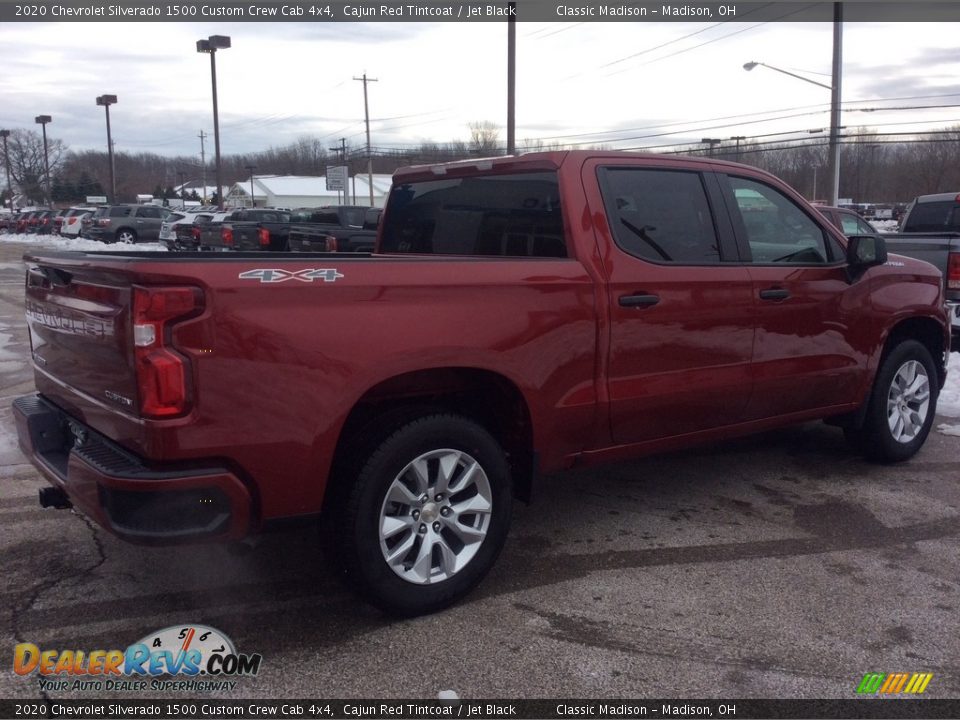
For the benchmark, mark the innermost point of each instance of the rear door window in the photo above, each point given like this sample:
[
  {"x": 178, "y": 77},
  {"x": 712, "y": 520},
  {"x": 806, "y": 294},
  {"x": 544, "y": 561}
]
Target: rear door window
[
  {"x": 515, "y": 215},
  {"x": 660, "y": 215}
]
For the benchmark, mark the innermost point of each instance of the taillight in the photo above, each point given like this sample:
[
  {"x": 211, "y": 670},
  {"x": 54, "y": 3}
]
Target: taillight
[
  {"x": 953, "y": 271},
  {"x": 162, "y": 373},
  {"x": 103, "y": 222},
  {"x": 264, "y": 236},
  {"x": 226, "y": 235},
  {"x": 331, "y": 243}
]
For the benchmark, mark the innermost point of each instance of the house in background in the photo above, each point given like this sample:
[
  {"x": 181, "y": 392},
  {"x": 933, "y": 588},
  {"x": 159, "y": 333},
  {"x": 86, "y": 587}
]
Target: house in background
[{"x": 294, "y": 191}]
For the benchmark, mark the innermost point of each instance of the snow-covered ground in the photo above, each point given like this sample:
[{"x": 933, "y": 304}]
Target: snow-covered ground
[{"x": 62, "y": 243}]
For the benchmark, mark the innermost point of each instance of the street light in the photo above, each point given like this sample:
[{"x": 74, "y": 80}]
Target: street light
[
  {"x": 210, "y": 46},
  {"x": 6, "y": 157},
  {"x": 43, "y": 120},
  {"x": 834, "y": 89},
  {"x": 251, "y": 168},
  {"x": 107, "y": 101},
  {"x": 751, "y": 65},
  {"x": 738, "y": 138}
]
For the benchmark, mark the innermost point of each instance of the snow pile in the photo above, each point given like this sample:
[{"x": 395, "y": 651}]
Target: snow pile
[
  {"x": 885, "y": 226},
  {"x": 57, "y": 242},
  {"x": 948, "y": 404}
]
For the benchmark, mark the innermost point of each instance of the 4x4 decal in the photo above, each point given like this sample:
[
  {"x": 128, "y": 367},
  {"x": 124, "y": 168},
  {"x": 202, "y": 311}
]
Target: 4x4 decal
[{"x": 275, "y": 275}]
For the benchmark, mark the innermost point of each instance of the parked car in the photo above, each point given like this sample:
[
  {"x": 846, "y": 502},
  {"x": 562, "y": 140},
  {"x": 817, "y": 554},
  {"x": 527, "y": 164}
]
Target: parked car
[
  {"x": 72, "y": 221},
  {"x": 8, "y": 222},
  {"x": 521, "y": 315},
  {"x": 41, "y": 222},
  {"x": 57, "y": 221},
  {"x": 848, "y": 221},
  {"x": 168, "y": 229},
  {"x": 126, "y": 223}
]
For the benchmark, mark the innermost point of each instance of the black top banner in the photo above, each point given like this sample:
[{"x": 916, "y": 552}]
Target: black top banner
[
  {"x": 430, "y": 11},
  {"x": 482, "y": 709}
]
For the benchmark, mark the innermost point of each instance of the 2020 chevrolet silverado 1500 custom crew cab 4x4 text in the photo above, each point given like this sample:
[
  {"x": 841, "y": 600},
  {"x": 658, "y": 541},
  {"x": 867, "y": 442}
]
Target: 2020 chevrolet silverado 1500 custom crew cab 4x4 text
[{"x": 521, "y": 315}]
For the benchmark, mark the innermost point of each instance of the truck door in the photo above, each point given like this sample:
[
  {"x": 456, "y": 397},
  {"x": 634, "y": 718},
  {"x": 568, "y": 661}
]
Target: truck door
[
  {"x": 810, "y": 317},
  {"x": 681, "y": 306}
]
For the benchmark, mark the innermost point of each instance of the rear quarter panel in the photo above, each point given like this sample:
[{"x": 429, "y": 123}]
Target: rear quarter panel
[{"x": 277, "y": 366}]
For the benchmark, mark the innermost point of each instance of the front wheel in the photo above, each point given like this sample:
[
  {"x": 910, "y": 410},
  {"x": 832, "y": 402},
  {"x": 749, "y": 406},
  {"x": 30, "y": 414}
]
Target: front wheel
[
  {"x": 902, "y": 405},
  {"x": 426, "y": 516}
]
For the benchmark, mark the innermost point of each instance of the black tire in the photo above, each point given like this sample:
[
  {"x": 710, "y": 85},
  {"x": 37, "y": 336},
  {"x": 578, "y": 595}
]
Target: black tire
[
  {"x": 417, "y": 582},
  {"x": 876, "y": 439},
  {"x": 126, "y": 235}
]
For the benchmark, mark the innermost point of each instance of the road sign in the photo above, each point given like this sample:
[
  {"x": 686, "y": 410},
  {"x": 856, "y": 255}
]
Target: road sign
[{"x": 337, "y": 176}]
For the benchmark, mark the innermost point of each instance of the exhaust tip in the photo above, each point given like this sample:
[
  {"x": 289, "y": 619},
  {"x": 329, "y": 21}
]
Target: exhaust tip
[{"x": 54, "y": 497}]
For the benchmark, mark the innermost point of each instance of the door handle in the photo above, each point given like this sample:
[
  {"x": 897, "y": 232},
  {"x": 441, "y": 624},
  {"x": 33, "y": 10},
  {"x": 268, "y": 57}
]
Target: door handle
[
  {"x": 774, "y": 294},
  {"x": 639, "y": 300}
]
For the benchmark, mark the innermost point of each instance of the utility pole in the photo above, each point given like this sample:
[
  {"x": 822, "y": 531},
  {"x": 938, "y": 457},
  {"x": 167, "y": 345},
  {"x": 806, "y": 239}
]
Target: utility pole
[
  {"x": 203, "y": 165},
  {"x": 711, "y": 143},
  {"x": 366, "y": 113},
  {"x": 6, "y": 157},
  {"x": 835, "y": 95},
  {"x": 512, "y": 80}
]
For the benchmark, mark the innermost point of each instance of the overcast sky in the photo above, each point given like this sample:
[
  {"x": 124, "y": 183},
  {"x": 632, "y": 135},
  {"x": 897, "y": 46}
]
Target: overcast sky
[{"x": 576, "y": 82}]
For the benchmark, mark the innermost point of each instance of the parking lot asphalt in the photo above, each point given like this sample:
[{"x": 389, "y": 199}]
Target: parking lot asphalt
[{"x": 777, "y": 566}]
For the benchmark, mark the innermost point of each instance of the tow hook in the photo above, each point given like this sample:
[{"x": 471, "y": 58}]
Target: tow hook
[{"x": 54, "y": 497}]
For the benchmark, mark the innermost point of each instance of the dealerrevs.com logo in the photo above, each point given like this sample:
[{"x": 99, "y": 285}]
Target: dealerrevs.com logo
[{"x": 179, "y": 658}]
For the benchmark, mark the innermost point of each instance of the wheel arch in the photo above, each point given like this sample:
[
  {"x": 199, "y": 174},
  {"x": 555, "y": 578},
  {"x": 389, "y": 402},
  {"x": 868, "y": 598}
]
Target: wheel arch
[
  {"x": 489, "y": 398},
  {"x": 926, "y": 331}
]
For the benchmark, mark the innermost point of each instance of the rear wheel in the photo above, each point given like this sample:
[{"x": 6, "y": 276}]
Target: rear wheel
[
  {"x": 426, "y": 516},
  {"x": 126, "y": 235},
  {"x": 902, "y": 405}
]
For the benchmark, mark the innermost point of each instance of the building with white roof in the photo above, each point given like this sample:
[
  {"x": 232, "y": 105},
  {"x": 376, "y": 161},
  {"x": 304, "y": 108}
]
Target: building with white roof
[{"x": 293, "y": 191}]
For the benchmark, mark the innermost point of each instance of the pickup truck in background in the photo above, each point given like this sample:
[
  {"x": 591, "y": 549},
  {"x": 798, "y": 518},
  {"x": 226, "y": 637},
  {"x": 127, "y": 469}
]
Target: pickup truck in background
[
  {"x": 218, "y": 234},
  {"x": 345, "y": 228},
  {"x": 930, "y": 231},
  {"x": 521, "y": 315}
]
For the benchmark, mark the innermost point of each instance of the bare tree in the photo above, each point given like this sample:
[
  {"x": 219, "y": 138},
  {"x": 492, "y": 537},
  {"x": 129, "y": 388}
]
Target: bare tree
[
  {"x": 27, "y": 167},
  {"x": 484, "y": 138}
]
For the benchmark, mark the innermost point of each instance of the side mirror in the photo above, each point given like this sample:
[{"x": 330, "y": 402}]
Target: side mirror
[{"x": 864, "y": 252}]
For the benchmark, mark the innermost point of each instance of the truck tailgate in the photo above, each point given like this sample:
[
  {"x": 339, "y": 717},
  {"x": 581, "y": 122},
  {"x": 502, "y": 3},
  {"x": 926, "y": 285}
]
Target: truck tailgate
[{"x": 80, "y": 331}]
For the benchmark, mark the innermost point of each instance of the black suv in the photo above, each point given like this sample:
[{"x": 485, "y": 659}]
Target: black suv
[{"x": 125, "y": 223}]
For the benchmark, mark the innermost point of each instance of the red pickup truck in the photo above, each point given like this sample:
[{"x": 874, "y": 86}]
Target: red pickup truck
[{"x": 521, "y": 315}]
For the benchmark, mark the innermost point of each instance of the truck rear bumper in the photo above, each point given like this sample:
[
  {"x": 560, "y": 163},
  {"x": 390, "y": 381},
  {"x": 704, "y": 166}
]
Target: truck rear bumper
[{"x": 140, "y": 503}]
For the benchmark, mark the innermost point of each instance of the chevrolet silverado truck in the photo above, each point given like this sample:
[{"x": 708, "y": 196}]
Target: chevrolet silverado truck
[
  {"x": 345, "y": 228},
  {"x": 218, "y": 234},
  {"x": 521, "y": 315},
  {"x": 931, "y": 231}
]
